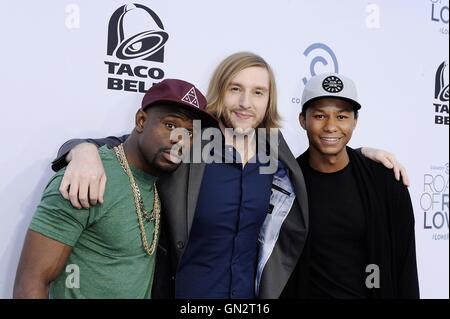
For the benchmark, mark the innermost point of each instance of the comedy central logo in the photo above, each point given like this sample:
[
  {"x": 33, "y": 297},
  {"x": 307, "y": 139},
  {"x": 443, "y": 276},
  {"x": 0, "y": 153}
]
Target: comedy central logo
[
  {"x": 441, "y": 95},
  {"x": 332, "y": 84},
  {"x": 319, "y": 58},
  {"x": 135, "y": 35}
]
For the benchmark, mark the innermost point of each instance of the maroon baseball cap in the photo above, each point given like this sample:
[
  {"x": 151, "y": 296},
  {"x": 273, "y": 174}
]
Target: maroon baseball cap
[{"x": 180, "y": 93}]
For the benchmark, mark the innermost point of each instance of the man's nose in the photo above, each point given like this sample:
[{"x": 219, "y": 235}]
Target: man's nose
[
  {"x": 330, "y": 125},
  {"x": 245, "y": 100}
]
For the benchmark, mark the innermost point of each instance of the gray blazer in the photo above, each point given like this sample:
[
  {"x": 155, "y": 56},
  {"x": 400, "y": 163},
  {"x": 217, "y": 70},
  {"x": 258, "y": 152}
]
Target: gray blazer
[{"x": 179, "y": 193}]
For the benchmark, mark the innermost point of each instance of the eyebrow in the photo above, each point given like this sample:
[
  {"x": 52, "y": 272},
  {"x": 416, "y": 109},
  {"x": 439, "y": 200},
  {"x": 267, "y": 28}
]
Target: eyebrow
[
  {"x": 321, "y": 110},
  {"x": 180, "y": 116},
  {"x": 258, "y": 87}
]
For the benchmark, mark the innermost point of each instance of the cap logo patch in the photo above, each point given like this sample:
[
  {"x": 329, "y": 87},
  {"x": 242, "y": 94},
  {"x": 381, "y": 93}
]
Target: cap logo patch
[
  {"x": 332, "y": 84},
  {"x": 191, "y": 98}
]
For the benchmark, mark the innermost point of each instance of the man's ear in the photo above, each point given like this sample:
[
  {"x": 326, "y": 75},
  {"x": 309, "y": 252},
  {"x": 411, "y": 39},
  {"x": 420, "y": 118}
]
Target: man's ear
[
  {"x": 141, "y": 118},
  {"x": 302, "y": 120}
]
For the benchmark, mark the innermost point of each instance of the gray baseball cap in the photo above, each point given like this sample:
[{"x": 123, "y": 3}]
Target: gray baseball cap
[{"x": 330, "y": 85}]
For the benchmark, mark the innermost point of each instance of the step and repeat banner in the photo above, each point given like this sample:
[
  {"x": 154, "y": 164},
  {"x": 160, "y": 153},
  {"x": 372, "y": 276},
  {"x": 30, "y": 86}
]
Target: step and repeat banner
[{"x": 79, "y": 69}]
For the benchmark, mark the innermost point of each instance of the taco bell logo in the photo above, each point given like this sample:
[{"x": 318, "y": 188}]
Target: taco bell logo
[
  {"x": 135, "y": 35},
  {"x": 126, "y": 43},
  {"x": 441, "y": 95}
]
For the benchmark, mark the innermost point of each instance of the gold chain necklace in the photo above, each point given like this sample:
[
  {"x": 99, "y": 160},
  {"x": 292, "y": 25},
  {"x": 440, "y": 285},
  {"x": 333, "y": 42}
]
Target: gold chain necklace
[{"x": 139, "y": 203}]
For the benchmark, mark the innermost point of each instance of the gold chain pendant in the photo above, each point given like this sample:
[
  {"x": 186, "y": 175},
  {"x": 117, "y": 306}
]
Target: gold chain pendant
[{"x": 139, "y": 203}]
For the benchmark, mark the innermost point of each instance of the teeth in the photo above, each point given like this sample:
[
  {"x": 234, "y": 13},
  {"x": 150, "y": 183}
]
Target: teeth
[{"x": 331, "y": 139}]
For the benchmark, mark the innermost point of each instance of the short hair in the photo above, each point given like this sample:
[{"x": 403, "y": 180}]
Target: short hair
[{"x": 222, "y": 77}]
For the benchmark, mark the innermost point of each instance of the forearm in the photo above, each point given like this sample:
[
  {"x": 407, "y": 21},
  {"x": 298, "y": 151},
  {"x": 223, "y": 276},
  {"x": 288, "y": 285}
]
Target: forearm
[
  {"x": 27, "y": 287},
  {"x": 63, "y": 156}
]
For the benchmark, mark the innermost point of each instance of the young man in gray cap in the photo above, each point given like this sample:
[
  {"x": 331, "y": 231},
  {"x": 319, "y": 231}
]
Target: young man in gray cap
[
  {"x": 108, "y": 250},
  {"x": 361, "y": 238}
]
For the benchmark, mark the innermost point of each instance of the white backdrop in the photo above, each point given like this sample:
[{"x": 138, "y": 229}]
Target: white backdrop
[{"x": 54, "y": 86}]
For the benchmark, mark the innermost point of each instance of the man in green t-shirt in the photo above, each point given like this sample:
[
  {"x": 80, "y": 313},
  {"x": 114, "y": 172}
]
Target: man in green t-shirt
[{"x": 108, "y": 250}]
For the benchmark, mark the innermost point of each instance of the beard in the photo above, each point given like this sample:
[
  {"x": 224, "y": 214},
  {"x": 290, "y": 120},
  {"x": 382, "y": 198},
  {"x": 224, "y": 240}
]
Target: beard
[
  {"x": 228, "y": 122},
  {"x": 156, "y": 161}
]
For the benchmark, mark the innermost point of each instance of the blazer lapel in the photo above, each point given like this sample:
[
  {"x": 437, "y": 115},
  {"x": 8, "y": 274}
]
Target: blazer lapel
[
  {"x": 292, "y": 236},
  {"x": 196, "y": 172},
  {"x": 296, "y": 177}
]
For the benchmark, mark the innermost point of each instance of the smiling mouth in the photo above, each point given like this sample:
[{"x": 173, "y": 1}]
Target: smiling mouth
[
  {"x": 330, "y": 140},
  {"x": 243, "y": 116}
]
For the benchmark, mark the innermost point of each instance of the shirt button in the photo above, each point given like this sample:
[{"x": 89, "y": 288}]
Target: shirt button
[{"x": 180, "y": 245}]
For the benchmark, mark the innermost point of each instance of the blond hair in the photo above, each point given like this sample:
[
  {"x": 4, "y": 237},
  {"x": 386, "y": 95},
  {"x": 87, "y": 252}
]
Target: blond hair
[{"x": 222, "y": 77}]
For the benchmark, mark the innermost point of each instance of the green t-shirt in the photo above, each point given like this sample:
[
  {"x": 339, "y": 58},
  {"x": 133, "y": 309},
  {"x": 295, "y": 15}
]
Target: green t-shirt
[{"x": 107, "y": 254}]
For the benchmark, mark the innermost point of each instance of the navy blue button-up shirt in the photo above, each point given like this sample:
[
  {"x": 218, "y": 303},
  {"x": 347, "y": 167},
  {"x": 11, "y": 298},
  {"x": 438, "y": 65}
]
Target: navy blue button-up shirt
[{"x": 221, "y": 256}]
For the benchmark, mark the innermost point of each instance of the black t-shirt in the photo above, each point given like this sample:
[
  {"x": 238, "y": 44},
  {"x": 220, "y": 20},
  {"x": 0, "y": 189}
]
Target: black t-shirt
[{"x": 337, "y": 239}]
